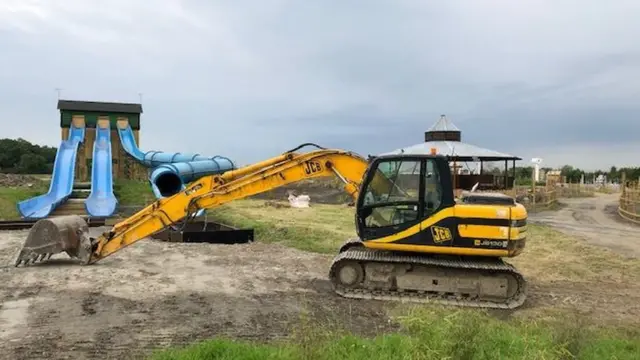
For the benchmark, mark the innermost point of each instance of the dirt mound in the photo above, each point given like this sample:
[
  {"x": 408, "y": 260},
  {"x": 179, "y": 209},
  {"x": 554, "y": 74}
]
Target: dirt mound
[{"x": 16, "y": 180}]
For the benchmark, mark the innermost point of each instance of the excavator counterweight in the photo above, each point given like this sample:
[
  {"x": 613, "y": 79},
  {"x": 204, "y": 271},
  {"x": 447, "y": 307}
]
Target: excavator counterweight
[{"x": 415, "y": 241}]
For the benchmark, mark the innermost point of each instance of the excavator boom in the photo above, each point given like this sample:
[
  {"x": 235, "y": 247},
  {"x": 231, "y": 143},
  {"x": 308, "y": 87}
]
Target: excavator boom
[{"x": 205, "y": 193}]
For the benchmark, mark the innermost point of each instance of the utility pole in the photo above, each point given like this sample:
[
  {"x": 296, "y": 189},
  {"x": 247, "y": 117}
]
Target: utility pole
[{"x": 58, "y": 90}]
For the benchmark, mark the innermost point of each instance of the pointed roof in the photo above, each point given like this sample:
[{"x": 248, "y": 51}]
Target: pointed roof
[
  {"x": 454, "y": 150},
  {"x": 443, "y": 124},
  {"x": 444, "y": 137}
]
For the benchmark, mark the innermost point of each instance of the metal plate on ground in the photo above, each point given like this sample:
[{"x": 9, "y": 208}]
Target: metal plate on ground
[{"x": 206, "y": 232}]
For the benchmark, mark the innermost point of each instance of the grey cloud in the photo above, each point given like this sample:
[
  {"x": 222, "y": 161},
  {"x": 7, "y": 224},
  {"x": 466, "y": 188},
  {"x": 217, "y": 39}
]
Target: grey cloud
[{"x": 249, "y": 79}]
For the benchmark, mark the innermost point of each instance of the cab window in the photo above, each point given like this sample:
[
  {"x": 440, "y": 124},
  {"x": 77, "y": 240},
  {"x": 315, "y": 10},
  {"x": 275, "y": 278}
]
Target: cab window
[{"x": 392, "y": 196}]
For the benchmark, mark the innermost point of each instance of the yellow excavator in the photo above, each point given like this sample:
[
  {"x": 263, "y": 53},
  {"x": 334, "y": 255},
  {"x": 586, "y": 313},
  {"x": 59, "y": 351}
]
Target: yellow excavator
[{"x": 416, "y": 242}]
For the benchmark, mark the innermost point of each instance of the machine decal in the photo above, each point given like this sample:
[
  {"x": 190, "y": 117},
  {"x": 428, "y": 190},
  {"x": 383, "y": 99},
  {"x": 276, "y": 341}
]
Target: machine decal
[
  {"x": 440, "y": 234},
  {"x": 312, "y": 167},
  {"x": 491, "y": 243}
]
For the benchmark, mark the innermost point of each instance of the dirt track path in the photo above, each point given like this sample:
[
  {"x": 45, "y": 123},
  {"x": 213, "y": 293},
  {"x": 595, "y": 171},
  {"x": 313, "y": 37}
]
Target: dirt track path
[{"x": 596, "y": 221}]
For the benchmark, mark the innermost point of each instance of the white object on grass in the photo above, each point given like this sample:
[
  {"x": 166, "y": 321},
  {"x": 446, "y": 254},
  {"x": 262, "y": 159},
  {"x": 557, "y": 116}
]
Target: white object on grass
[{"x": 301, "y": 201}]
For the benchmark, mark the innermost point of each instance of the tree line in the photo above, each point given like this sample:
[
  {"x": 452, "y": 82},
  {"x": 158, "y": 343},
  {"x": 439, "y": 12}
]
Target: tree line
[
  {"x": 19, "y": 156},
  {"x": 524, "y": 174}
]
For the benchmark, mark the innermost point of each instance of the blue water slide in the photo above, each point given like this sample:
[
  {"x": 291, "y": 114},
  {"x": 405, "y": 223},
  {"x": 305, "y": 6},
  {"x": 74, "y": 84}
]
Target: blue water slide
[
  {"x": 102, "y": 201},
  {"x": 171, "y": 170},
  {"x": 61, "y": 179},
  {"x": 168, "y": 179}
]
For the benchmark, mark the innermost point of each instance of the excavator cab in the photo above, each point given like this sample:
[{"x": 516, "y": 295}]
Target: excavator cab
[
  {"x": 416, "y": 187},
  {"x": 406, "y": 203}
]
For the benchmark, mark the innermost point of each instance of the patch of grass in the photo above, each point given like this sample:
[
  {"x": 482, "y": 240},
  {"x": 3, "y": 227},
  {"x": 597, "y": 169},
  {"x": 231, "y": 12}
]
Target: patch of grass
[
  {"x": 536, "y": 208},
  {"x": 10, "y": 196},
  {"x": 320, "y": 228},
  {"x": 435, "y": 333},
  {"x": 223, "y": 349},
  {"x": 133, "y": 192},
  {"x": 575, "y": 191}
]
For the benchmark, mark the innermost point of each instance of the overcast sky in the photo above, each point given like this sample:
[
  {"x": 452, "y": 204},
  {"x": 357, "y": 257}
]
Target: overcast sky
[{"x": 555, "y": 79}]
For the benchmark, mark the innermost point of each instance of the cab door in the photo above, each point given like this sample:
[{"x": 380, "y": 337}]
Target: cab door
[{"x": 438, "y": 226}]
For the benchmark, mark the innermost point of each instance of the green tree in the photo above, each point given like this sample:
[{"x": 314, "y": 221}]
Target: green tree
[
  {"x": 31, "y": 163},
  {"x": 13, "y": 150}
]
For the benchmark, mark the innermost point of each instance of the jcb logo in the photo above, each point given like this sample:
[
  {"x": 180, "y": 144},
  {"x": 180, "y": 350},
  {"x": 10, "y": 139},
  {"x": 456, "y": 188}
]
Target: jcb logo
[
  {"x": 312, "y": 167},
  {"x": 440, "y": 234}
]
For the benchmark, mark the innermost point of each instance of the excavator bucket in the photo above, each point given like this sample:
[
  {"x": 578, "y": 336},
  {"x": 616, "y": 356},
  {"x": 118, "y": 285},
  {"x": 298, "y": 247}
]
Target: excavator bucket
[{"x": 47, "y": 237}]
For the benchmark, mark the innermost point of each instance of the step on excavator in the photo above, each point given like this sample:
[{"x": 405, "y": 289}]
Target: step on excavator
[{"x": 415, "y": 242}]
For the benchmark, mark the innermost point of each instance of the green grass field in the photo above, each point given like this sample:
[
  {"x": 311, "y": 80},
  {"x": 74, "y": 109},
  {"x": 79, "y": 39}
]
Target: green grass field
[
  {"x": 133, "y": 193},
  {"x": 10, "y": 196}
]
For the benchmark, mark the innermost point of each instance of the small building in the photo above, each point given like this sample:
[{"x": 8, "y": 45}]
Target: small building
[
  {"x": 446, "y": 139},
  {"x": 124, "y": 167},
  {"x": 555, "y": 177}
]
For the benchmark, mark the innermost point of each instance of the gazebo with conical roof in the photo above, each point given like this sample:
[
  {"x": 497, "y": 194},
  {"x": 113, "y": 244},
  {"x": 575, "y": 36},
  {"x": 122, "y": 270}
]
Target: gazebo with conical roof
[{"x": 446, "y": 139}]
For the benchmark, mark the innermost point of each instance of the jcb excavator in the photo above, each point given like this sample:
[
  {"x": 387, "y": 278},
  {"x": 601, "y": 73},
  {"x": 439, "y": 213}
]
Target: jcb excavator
[{"x": 415, "y": 241}]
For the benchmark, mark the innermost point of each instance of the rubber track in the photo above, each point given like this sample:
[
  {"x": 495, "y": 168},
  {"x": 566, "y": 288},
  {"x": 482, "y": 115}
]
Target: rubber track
[{"x": 362, "y": 254}]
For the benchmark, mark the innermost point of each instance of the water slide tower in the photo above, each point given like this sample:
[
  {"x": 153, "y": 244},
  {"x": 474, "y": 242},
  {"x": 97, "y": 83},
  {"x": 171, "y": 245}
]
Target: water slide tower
[{"x": 124, "y": 167}]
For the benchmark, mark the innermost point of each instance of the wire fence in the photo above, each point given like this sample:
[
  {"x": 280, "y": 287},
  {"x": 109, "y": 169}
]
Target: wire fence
[{"x": 629, "y": 207}]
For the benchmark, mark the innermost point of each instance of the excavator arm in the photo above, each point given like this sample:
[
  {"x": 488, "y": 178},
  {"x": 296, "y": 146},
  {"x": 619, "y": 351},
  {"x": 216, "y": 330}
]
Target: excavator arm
[{"x": 205, "y": 193}]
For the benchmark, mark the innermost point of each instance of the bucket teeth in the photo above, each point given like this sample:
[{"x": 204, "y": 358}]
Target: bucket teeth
[{"x": 38, "y": 258}]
